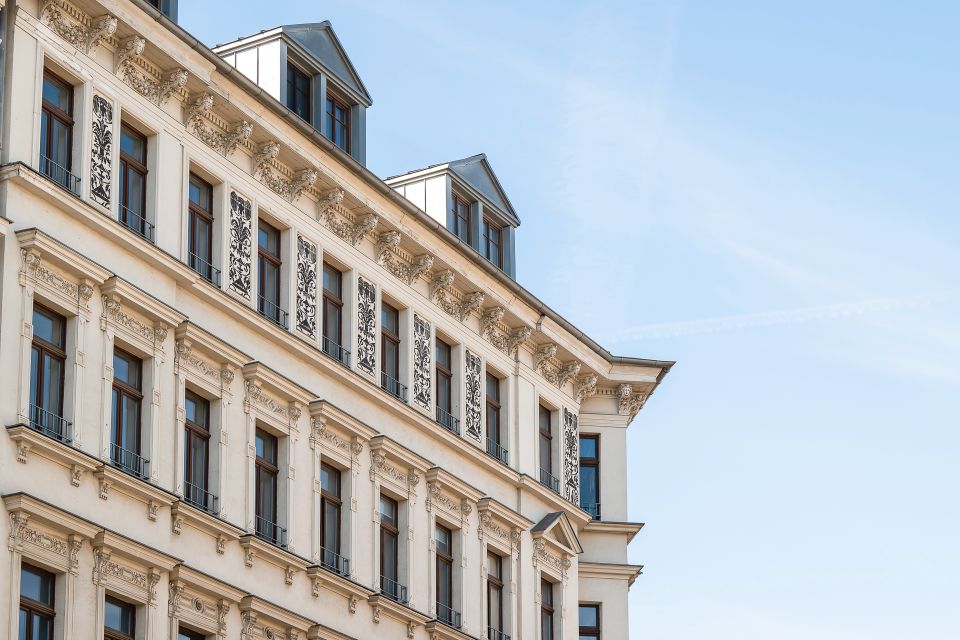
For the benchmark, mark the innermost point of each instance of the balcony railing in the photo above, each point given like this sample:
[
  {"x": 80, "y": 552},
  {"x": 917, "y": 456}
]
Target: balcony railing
[
  {"x": 136, "y": 223},
  {"x": 332, "y": 561},
  {"x": 393, "y": 386},
  {"x": 593, "y": 508},
  {"x": 129, "y": 461},
  {"x": 393, "y": 589},
  {"x": 493, "y": 634},
  {"x": 272, "y": 312},
  {"x": 271, "y": 532},
  {"x": 335, "y": 351},
  {"x": 60, "y": 175},
  {"x": 51, "y": 424},
  {"x": 448, "y": 421},
  {"x": 448, "y": 616},
  {"x": 497, "y": 451},
  {"x": 206, "y": 270},
  {"x": 550, "y": 481},
  {"x": 200, "y": 498}
]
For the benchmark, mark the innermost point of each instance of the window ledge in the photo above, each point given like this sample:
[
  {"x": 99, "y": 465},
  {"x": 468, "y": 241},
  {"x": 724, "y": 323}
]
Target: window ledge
[
  {"x": 222, "y": 531},
  {"x": 254, "y": 547},
  {"x": 382, "y": 605},
  {"x": 324, "y": 578},
  {"x": 30, "y": 441},
  {"x": 442, "y": 631}
]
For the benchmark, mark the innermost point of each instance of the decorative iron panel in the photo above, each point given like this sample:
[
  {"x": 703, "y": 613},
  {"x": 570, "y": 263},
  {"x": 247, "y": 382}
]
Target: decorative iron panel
[
  {"x": 101, "y": 157},
  {"x": 421, "y": 362},
  {"x": 241, "y": 244},
  {"x": 306, "y": 287},
  {"x": 571, "y": 457},
  {"x": 366, "y": 326},
  {"x": 473, "y": 391}
]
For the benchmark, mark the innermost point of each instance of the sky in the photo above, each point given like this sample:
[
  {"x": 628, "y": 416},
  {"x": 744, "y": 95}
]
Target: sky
[{"x": 767, "y": 194}]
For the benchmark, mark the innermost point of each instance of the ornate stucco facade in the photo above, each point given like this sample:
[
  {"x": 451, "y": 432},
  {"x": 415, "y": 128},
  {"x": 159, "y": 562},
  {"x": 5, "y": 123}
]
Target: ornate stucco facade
[{"x": 121, "y": 521}]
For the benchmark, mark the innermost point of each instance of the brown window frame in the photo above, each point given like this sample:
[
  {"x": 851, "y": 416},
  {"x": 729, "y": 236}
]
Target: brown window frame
[
  {"x": 444, "y": 559},
  {"x": 495, "y": 583},
  {"x": 327, "y": 497},
  {"x": 192, "y": 429},
  {"x": 275, "y": 260},
  {"x": 547, "y": 609},
  {"x": 124, "y": 389},
  {"x": 589, "y": 632},
  {"x": 332, "y": 100},
  {"x": 195, "y": 211},
  {"x": 65, "y": 118},
  {"x": 386, "y": 528},
  {"x": 445, "y": 373},
  {"x": 127, "y": 164},
  {"x": 335, "y": 299},
  {"x": 112, "y": 634},
  {"x": 35, "y": 607},
  {"x": 495, "y": 406},
  {"x": 546, "y": 435},
  {"x": 386, "y": 335},
  {"x": 48, "y": 349},
  {"x": 593, "y": 462},
  {"x": 309, "y": 93},
  {"x": 262, "y": 465},
  {"x": 457, "y": 220},
  {"x": 487, "y": 225}
]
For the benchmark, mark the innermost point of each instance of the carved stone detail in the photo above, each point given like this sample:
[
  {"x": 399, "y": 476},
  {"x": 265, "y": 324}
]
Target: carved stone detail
[
  {"x": 544, "y": 362},
  {"x": 366, "y": 326},
  {"x": 241, "y": 244},
  {"x": 472, "y": 375},
  {"x": 352, "y": 232},
  {"x": 83, "y": 37},
  {"x": 408, "y": 272},
  {"x": 585, "y": 385},
  {"x": 306, "y": 287},
  {"x": 156, "y": 90},
  {"x": 290, "y": 189},
  {"x": 442, "y": 293},
  {"x": 101, "y": 155},
  {"x": 198, "y": 112},
  {"x": 571, "y": 457},
  {"x": 506, "y": 341},
  {"x": 628, "y": 402},
  {"x": 422, "y": 360}
]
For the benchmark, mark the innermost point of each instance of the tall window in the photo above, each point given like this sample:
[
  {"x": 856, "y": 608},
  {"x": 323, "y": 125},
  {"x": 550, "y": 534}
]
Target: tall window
[
  {"x": 333, "y": 314},
  {"x": 390, "y": 550},
  {"x": 390, "y": 352},
  {"x": 546, "y": 450},
  {"x": 461, "y": 219},
  {"x": 133, "y": 182},
  {"x": 127, "y": 401},
  {"x": 546, "y": 609},
  {"x": 268, "y": 265},
  {"x": 492, "y": 243},
  {"x": 298, "y": 92},
  {"x": 200, "y": 230},
  {"x": 590, "y": 475},
  {"x": 444, "y": 368},
  {"x": 266, "y": 489},
  {"x": 589, "y": 621},
  {"x": 56, "y": 131},
  {"x": 119, "y": 620},
  {"x": 495, "y": 441},
  {"x": 330, "y": 505},
  {"x": 187, "y": 634},
  {"x": 495, "y": 629},
  {"x": 444, "y": 570},
  {"x": 196, "y": 460},
  {"x": 338, "y": 122},
  {"x": 37, "y": 599},
  {"x": 47, "y": 365}
]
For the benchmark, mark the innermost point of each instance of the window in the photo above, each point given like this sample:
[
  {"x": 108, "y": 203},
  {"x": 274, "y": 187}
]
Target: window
[
  {"x": 133, "y": 182},
  {"x": 546, "y": 451},
  {"x": 37, "y": 597},
  {"x": 200, "y": 230},
  {"x": 495, "y": 629},
  {"x": 268, "y": 266},
  {"x": 494, "y": 427},
  {"x": 589, "y": 621},
  {"x": 444, "y": 369},
  {"x": 492, "y": 243},
  {"x": 127, "y": 400},
  {"x": 119, "y": 620},
  {"x": 47, "y": 369},
  {"x": 590, "y": 475},
  {"x": 390, "y": 352},
  {"x": 56, "y": 132},
  {"x": 330, "y": 505},
  {"x": 333, "y": 315},
  {"x": 196, "y": 461},
  {"x": 187, "y": 634},
  {"x": 338, "y": 122},
  {"x": 266, "y": 489},
  {"x": 390, "y": 550},
  {"x": 298, "y": 92},
  {"x": 546, "y": 609},
  {"x": 462, "y": 219},
  {"x": 445, "y": 610}
]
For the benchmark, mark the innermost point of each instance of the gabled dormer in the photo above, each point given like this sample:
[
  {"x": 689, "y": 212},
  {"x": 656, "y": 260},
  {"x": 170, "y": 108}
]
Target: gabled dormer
[
  {"x": 305, "y": 67},
  {"x": 466, "y": 197},
  {"x": 166, "y": 7}
]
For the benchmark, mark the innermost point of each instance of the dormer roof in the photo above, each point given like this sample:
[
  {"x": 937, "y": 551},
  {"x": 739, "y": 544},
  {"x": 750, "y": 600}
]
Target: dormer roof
[{"x": 556, "y": 526}]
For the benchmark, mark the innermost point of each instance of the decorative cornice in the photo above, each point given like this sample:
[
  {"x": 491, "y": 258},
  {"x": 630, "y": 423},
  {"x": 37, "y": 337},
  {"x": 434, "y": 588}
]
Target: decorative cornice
[
  {"x": 157, "y": 91},
  {"x": 585, "y": 385},
  {"x": 198, "y": 112},
  {"x": 408, "y": 272},
  {"x": 628, "y": 402},
  {"x": 353, "y": 232},
  {"x": 290, "y": 189},
  {"x": 557, "y": 375},
  {"x": 442, "y": 294},
  {"x": 506, "y": 341},
  {"x": 83, "y": 37}
]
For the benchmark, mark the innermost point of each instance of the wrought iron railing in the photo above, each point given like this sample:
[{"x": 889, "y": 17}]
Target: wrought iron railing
[
  {"x": 200, "y": 498},
  {"x": 335, "y": 351},
  {"x": 448, "y": 616},
  {"x": 60, "y": 175},
  {"x": 272, "y": 312},
  {"x": 393, "y": 386},
  {"x": 136, "y": 223},
  {"x": 593, "y": 508},
  {"x": 550, "y": 481},
  {"x": 333, "y": 561},
  {"x": 493, "y": 634},
  {"x": 206, "y": 270},
  {"x": 393, "y": 589},
  {"x": 499, "y": 452},
  {"x": 51, "y": 424},
  {"x": 129, "y": 461},
  {"x": 271, "y": 532},
  {"x": 448, "y": 421}
]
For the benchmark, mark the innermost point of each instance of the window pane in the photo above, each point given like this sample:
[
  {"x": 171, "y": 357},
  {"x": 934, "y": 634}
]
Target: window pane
[
  {"x": 200, "y": 194},
  {"x": 133, "y": 145},
  {"x": 390, "y": 319},
  {"x": 494, "y": 565},
  {"x": 197, "y": 410},
  {"x": 56, "y": 93},
  {"x": 266, "y": 447},
  {"x": 130, "y": 414},
  {"x": 493, "y": 387},
  {"x": 268, "y": 496},
  {"x": 48, "y": 327},
  {"x": 52, "y": 385},
  {"x": 588, "y": 616},
  {"x": 330, "y": 480},
  {"x": 269, "y": 239},
  {"x": 332, "y": 280},
  {"x": 588, "y": 447},
  {"x": 388, "y": 510},
  {"x": 445, "y": 573},
  {"x": 331, "y": 527},
  {"x": 118, "y": 616},
  {"x": 389, "y": 558},
  {"x": 126, "y": 369},
  {"x": 36, "y": 584},
  {"x": 198, "y": 462},
  {"x": 443, "y": 538},
  {"x": 546, "y": 454},
  {"x": 134, "y": 194},
  {"x": 588, "y": 485}
]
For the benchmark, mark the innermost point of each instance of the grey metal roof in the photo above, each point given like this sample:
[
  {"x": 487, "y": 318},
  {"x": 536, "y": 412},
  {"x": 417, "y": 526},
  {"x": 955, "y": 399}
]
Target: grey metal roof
[{"x": 322, "y": 42}]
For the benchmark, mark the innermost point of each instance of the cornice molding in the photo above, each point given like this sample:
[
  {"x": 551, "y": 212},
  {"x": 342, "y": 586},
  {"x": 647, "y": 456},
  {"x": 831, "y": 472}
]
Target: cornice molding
[
  {"x": 83, "y": 32},
  {"x": 288, "y": 188},
  {"x": 504, "y": 338},
  {"x": 156, "y": 90},
  {"x": 445, "y": 296},
  {"x": 409, "y": 272},
  {"x": 198, "y": 114}
]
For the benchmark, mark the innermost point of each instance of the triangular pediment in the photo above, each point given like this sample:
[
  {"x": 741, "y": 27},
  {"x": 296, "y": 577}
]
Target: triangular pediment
[
  {"x": 322, "y": 43},
  {"x": 477, "y": 172},
  {"x": 556, "y": 528}
]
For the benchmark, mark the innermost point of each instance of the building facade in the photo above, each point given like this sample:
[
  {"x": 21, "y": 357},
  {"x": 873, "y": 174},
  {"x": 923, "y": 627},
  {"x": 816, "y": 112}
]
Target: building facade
[{"x": 251, "y": 390}]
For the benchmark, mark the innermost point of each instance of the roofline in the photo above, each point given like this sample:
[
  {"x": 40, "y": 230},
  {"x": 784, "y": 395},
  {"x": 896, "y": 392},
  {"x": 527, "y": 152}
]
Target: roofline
[{"x": 387, "y": 191}]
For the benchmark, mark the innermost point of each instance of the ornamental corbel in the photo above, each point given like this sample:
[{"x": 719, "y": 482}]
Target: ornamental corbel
[
  {"x": 543, "y": 353},
  {"x": 628, "y": 402},
  {"x": 226, "y": 143},
  {"x": 585, "y": 385},
  {"x": 84, "y": 38},
  {"x": 386, "y": 243},
  {"x": 568, "y": 372},
  {"x": 409, "y": 273},
  {"x": 489, "y": 319},
  {"x": 157, "y": 91},
  {"x": 516, "y": 338},
  {"x": 18, "y": 521},
  {"x": 290, "y": 189}
]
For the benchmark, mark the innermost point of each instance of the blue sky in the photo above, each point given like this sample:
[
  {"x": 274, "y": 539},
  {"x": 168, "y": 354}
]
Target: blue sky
[{"x": 766, "y": 193}]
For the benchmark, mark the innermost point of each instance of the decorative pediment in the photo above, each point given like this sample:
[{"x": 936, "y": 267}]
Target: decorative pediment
[
  {"x": 445, "y": 296},
  {"x": 337, "y": 431},
  {"x": 502, "y": 337},
  {"x": 199, "y": 114},
  {"x": 44, "y": 532},
  {"x": 76, "y": 27},
  {"x": 555, "y": 543},
  {"x": 128, "y": 568},
  {"x": 351, "y": 228},
  {"x": 388, "y": 255},
  {"x": 199, "y": 600},
  {"x": 155, "y": 87},
  {"x": 274, "y": 398},
  {"x": 265, "y": 169},
  {"x": 450, "y": 496},
  {"x": 140, "y": 318},
  {"x": 396, "y": 466},
  {"x": 204, "y": 358},
  {"x": 500, "y": 525},
  {"x": 57, "y": 272}
]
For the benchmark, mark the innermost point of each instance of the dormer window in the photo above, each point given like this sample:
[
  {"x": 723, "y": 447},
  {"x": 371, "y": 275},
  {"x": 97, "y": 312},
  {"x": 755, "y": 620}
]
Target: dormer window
[
  {"x": 461, "y": 219},
  {"x": 298, "y": 92},
  {"x": 492, "y": 243},
  {"x": 338, "y": 122}
]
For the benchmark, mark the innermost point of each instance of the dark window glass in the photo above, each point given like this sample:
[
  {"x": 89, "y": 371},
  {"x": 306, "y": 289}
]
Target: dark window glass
[
  {"x": 269, "y": 264},
  {"x": 298, "y": 92},
  {"x": 332, "y": 311},
  {"x": 546, "y": 440},
  {"x": 119, "y": 619},
  {"x": 36, "y": 603},
  {"x": 590, "y": 474},
  {"x": 492, "y": 243},
  {"x": 330, "y": 504},
  {"x": 133, "y": 181},
  {"x": 56, "y": 130},
  {"x": 200, "y": 227},
  {"x": 127, "y": 400},
  {"x": 389, "y": 538},
  {"x": 462, "y": 226},
  {"x": 546, "y": 609},
  {"x": 47, "y": 370},
  {"x": 495, "y": 592},
  {"x": 187, "y": 634},
  {"x": 390, "y": 348},
  {"x": 589, "y": 618},
  {"x": 338, "y": 122},
  {"x": 493, "y": 409},
  {"x": 444, "y": 377},
  {"x": 197, "y": 451},
  {"x": 266, "y": 485},
  {"x": 444, "y": 542}
]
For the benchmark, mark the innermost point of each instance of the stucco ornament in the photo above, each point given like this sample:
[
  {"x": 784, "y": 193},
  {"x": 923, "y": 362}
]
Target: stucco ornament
[
  {"x": 198, "y": 113},
  {"x": 79, "y": 34},
  {"x": 241, "y": 244},
  {"x": 288, "y": 188},
  {"x": 422, "y": 359},
  {"x": 306, "y": 287},
  {"x": 585, "y": 385},
  {"x": 628, "y": 402},
  {"x": 156, "y": 90},
  {"x": 507, "y": 341},
  {"x": 571, "y": 457},
  {"x": 409, "y": 272},
  {"x": 101, "y": 152},
  {"x": 444, "y": 296},
  {"x": 472, "y": 374},
  {"x": 366, "y": 325}
]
